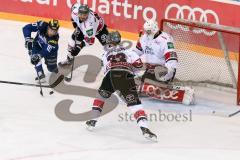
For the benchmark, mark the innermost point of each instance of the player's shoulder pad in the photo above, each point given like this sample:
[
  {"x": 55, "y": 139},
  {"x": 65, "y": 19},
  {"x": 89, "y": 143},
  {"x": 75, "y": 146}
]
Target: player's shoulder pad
[
  {"x": 129, "y": 52},
  {"x": 142, "y": 38},
  {"x": 75, "y": 6},
  {"x": 95, "y": 14},
  {"x": 41, "y": 23},
  {"x": 42, "y": 26},
  {"x": 74, "y": 11},
  {"x": 167, "y": 37}
]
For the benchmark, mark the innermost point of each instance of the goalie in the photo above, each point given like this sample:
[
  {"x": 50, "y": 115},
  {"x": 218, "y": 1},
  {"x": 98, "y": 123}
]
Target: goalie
[{"x": 161, "y": 61}]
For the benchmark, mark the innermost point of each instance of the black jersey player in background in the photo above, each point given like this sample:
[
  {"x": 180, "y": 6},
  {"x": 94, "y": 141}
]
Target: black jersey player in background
[{"x": 43, "y": 45}]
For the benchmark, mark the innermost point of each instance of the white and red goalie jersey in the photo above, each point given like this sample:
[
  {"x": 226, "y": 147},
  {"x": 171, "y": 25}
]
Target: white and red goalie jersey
[
  {"x": 158, "y": 51},
  {"x": 118, "y": 58},
  {"x": 91, "y": 27}
]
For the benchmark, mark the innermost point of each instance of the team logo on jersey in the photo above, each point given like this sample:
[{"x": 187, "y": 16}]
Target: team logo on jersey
[
  {"x": 49, "y": 48},
  {"x": 52, "y": 42},
  {"x": 90, "y": 32},
  {"x": 149, "y": 50},
  {"x": 170, "y": 45}
]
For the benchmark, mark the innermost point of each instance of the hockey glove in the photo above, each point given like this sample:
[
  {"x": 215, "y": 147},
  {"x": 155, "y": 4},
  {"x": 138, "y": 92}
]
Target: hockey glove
[
  {"x": 77, "y": 32},
  {"x": 29, "y": 43},
  {"x": 164, "y": 74},
  {"x": 76, "y": 50},
  {"x": 35, "y": 58}
]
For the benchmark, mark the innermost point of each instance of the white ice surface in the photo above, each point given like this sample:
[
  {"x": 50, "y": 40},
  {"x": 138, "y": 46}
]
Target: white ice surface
[{"x": 29, "y": 129}]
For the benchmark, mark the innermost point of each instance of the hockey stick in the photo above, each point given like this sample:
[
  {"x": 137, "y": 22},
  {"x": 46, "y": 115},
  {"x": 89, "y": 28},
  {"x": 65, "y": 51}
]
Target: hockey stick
[
  {"x": 68, "y": 79},
  {"x": 143, "y": 76},
  {"x": 40, "y": 84},
  {"x": 54, "y": 84},
  {"x": 221, "y": 114},
  {"x": 233, "y": 114},
  {"x": 142, "y": 81}
]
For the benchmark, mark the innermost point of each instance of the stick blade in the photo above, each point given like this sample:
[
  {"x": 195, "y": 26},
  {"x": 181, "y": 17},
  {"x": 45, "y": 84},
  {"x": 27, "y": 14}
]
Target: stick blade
[
  {"x": 41, "y": 92},
  {"x": 59, "y": 80}
]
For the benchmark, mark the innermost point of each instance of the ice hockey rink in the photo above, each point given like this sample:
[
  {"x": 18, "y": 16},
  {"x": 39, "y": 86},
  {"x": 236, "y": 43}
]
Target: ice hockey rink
[{"x": 30, "y": 130}]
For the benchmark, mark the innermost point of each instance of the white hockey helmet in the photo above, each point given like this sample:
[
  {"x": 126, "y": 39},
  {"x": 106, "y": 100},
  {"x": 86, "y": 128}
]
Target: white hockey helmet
[{"x": 151, "y": 27}]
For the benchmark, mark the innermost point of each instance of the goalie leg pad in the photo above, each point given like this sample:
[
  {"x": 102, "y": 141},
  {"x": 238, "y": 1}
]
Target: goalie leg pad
[
  {"x": 168, "y": 92},
  {"x": 189, "y": 96}
]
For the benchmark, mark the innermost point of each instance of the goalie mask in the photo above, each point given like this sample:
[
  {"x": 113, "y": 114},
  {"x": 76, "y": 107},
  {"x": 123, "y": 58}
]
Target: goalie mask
[{"x": 151, "y": 27}]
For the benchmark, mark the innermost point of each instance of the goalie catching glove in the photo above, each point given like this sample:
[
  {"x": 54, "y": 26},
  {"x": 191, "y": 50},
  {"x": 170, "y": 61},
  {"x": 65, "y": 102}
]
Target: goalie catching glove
[{"x": 164, "y": 74}]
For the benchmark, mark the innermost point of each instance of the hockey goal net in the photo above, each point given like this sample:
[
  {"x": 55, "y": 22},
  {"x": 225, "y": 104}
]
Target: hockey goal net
[{"x": 208, "y": 53}]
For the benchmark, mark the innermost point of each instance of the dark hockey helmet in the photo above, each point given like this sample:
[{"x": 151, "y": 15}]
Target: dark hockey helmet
[
  {"x": 114, "y": 37},
  {"x": 54, "y": 24},
  {"x": 83, "y": 9}
]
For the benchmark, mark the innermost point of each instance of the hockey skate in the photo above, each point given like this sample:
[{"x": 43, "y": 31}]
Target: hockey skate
[
  {"x": 148, "y": 134},
  {"x": 91, "y": 124},
  {"x": 68, "y": 62},
  {"x": 41, "y": 77}
]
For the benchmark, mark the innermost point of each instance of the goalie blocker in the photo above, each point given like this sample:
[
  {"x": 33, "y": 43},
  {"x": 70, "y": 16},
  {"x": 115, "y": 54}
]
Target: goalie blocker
[{"x": 167, "y": 92}]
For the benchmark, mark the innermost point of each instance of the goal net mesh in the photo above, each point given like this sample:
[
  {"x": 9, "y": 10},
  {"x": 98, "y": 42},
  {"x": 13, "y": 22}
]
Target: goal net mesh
[{"x": 207, "y": 53}]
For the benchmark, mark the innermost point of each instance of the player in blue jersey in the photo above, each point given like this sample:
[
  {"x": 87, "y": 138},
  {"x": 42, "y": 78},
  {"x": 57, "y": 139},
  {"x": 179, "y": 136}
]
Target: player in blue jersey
[{"x": 43, "y": 45}]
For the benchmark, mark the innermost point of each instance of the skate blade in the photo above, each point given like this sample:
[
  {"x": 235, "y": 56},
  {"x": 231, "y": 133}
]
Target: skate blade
[{"x": 151, "y": 138}]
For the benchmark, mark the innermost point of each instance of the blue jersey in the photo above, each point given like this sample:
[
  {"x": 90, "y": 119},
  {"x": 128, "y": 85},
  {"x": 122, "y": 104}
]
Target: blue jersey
[{"x": 44, "y": 45}]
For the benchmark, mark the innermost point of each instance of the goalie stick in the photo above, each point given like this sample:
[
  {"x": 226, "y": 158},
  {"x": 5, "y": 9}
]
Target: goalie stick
[
  {"x": 53, "y": 85},
  {"x": 222, "y": 114},
  {"x": 233, "y": 114}
]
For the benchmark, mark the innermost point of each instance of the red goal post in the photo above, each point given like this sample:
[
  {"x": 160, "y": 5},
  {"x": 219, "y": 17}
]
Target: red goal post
[{"x": 208, "y": 53}]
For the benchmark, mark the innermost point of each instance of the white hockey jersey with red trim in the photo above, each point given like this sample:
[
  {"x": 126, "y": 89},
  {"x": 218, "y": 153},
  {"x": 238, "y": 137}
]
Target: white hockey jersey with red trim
[
  {"x": 118, "y": 58},
  {"x": 91, "y": 27},
  {"x": 157, "y": 51}
]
